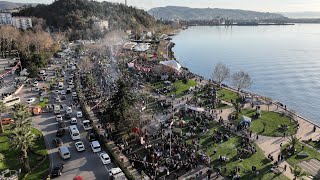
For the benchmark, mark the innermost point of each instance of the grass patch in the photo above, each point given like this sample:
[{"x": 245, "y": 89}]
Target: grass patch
[
  {"x": 40, "y": 172},
  {"x": 294, "y": 159},
  {"x": 314, "y": 144},
  {"x": 229, "y": 149},
  {"x": 223, "y": 106},
  {"x": 182, "y": 87},
  {"x": 44, "y": 103},
  {"x": 272, "y": 121},
  {"x": 11, "y": 155},
  {"x": 227, "y": 95}
]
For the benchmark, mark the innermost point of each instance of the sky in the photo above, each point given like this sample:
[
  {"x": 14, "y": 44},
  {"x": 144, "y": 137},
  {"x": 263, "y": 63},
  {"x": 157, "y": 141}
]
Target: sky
[{"x": 256, "y": 5}]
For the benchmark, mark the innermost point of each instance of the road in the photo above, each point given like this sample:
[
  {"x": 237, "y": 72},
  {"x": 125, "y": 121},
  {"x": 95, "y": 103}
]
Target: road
[{"x": 86, "y": 164}]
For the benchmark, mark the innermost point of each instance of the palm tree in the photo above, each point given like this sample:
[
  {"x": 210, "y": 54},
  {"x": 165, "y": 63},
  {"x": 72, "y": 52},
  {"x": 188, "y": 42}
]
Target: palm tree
[
  {"x": 21, "y": 116},
  {"x": 237, "y": 107},
  {"x": 293, "y": 141},
  {"x": 3, "y": 109},
  {"x": 297, "y": 172},
  {"x": 23, "y": 139}
]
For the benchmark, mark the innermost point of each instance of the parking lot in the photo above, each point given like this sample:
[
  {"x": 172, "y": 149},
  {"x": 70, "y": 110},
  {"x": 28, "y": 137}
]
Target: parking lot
[{"x": 87, "y": 163}]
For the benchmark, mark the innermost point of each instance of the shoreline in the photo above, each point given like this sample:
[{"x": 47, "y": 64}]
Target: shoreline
[
  {"x": 171, "y": 52},
  {"x": 260, "y": 24}
]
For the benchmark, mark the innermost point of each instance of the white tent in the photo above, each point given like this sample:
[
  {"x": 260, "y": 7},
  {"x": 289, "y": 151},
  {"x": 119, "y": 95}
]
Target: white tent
[
  {"x": 172, "y": 63},
  {"x": 245, "y": 119}
]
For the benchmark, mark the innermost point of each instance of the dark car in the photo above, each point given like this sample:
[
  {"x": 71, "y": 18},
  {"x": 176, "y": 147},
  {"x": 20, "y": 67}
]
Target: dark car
[
  {"x": 57, "y": 141},
  {"x": 91, "y": 136},
  {"x": 61, "y": 124},
  {"x": 63, "y": 97},
  {"x": 60, "y": 132},
  {"x": 57, "y": 171},
  {"x": 68, "y": 116}
]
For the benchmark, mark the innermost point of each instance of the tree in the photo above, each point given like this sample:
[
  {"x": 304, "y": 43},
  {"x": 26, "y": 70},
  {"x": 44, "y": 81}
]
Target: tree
[
  {"x": 221, "y": 72},
  {"x": 237, "y": 107},
  {"x": 293, "y": 141},
  {"x": 3, "y": 109},
  {"x": 297, "y": 172},
  {"x": 121, "y": 104},
  {"x": 23, "y": 138},
  {"x": 241, "y": 80},
  {"x": 1, "y": 157}
]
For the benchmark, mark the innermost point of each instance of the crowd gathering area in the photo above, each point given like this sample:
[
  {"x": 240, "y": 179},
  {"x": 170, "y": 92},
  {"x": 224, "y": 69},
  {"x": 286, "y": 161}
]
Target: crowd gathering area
[{"x": 191, "y": 127}]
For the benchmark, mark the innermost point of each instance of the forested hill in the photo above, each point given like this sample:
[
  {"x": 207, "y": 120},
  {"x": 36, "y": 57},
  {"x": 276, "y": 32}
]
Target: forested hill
[
  {"x": 186, "y": 13},
  {"x": 77, "y": 14}
]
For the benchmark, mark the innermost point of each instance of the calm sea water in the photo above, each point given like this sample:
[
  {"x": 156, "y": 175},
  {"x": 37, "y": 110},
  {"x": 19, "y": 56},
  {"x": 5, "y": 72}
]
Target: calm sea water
[{"x": 283, "y": 61}]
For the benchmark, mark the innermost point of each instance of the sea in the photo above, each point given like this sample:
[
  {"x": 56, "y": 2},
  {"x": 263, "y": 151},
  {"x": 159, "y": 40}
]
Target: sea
[{"x": 282, "y": 60}]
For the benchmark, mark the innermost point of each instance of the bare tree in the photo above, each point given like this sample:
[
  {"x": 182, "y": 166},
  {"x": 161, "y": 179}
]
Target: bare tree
[
  {"x": 221, "y": 72},
  {"x": 241, "y": 80}
]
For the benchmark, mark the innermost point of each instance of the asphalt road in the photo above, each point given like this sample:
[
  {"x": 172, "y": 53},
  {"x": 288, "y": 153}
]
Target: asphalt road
[{"x": 86, "y": 164}]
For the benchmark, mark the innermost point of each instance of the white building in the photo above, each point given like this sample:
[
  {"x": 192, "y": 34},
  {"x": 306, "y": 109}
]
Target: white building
[
  {"x": 101, "y": 24},
  {"x": 22, "y": 22},
  {"x": 5, "y": 18}
]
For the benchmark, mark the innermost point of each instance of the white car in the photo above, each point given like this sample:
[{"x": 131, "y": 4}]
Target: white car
[
  {"x": 79, "y": 114},
  {"x": 31, "y": 100},
  {"x": 58, "y": 99},
  {"x": 105, "y": 158},
  {"x": 69, "y": 110},
  {"x": 79, "y": 146},
  {"x": 73, "y": 120},
  {"x": 59, "y": 117},
  {"x": 116, "y": 172},
  {"x": 74, "y": 94},
  {"x": 35, "y": 84}
]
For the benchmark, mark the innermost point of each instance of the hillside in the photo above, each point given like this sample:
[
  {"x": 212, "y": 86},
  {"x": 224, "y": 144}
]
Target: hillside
[
  {"x": 12, "y": 5},
  {"x": 78, "y": 14},
  {"x": 186, "y": 13}
]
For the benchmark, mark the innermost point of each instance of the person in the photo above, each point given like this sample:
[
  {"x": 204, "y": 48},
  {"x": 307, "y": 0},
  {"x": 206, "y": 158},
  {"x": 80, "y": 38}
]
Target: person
[
  {"x": 285, "y": 167},
  {"x": 280, "y": 145},
  {"x": 314, "y": 128},
  {"x": 257, "y": 136}
]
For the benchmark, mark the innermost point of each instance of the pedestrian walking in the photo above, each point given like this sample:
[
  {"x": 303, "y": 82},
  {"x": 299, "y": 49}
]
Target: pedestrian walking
[
  {"x": 314, "y": 128},
  {"x": 257, "y": 136},
  {"x": 285, "y": 167},
  {"x": 280, "y": 145}
]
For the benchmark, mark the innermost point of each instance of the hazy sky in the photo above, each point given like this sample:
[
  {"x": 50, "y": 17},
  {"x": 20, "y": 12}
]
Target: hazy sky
[{"x": 257, "y": 5}]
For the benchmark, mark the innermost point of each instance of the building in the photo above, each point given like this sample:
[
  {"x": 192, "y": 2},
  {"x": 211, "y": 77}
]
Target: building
[
  {"x": 5, "y": 18},
  {"x": 101, "y": 24},
  {"x": 22, "y": 22}
]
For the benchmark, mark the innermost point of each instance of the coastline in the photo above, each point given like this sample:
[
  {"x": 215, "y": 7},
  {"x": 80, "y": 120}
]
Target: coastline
[{"x": 290, "y": 111}]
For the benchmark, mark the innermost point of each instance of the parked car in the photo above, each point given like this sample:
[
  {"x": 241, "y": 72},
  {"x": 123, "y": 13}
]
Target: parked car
[
  {"x": 61, "y": 124},
  {"x": 73, "y": 120},
  {"x": 91, "y": 136},
  {"x": 57, "y": 141},
  {"x": 59, "y": 118},
  {"x": 105, "y": 158},
  {"x": 79, "y": 146},
  {"x": 6, "y": 121},
  {"x": 79, "y": 114},
  {"x": 31, "y": 100},
  {"x": 74, "y": 94},
  {"x": 60, "y": 132},
  {"x": 67, "y": 116},
  {"x": 69, "y": 110},
  {"x": 57, "y": 171},
  {"x": 36, "y": 84}
]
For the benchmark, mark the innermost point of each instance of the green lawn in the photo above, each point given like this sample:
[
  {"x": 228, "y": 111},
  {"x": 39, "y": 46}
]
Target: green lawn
[
  {"x": 182, "y": 87},
  {"x": 272, "y": 121},
  {"x": 293, "y": 160},
  {"x": 229, "y": 148},
  {"x": 11, "y": 155},
  {"x": 44, "y": 103},
  {"x": 314, "y": 144},
  {"x": 227, "y": 95}
]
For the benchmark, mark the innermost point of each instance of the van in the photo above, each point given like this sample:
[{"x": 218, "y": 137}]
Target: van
[
  {"x": 64, "y": 152},
  {"x": 56, "y": 109},
  {"x": 60, "y": 85},
  {"x": 74, "y": 132},
  {"x": 117, "y": 174},
  {"x": 95, "y": 146}
]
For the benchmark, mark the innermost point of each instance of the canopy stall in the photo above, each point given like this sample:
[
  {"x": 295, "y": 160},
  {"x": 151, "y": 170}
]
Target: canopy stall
[{"x": 172, "y": 63}]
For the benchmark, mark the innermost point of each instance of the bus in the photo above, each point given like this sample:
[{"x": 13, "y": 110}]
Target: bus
[{"x": 12, "y": 101}]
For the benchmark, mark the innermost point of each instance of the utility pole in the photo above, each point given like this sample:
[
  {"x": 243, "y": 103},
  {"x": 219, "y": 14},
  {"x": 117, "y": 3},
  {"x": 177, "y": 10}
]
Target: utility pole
[{"x": 126, "y": 3}]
